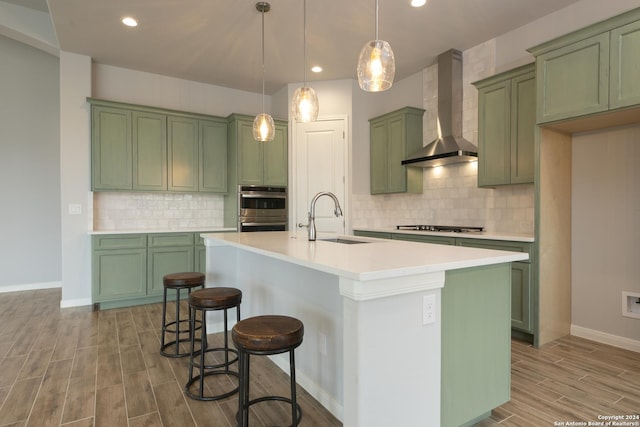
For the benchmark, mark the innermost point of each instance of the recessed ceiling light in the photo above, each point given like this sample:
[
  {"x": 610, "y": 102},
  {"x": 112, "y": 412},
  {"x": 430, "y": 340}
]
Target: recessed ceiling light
[
  {"x": 316, "y": 69},
  {"x": 418, "y": 3},
  {"x": 129, "y": 21}
]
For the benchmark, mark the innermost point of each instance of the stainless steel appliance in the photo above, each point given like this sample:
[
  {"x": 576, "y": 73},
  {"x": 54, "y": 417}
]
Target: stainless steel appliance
[
  {"x": 442, "y": 228},
  {"x": 262, "y": 208}
]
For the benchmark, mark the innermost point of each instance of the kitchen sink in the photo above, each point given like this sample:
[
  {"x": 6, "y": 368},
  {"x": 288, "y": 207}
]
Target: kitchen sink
[{"x": 343, "y": 241}]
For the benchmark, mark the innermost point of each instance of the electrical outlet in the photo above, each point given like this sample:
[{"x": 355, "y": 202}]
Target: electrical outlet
[{"x": 428, "y": 309}]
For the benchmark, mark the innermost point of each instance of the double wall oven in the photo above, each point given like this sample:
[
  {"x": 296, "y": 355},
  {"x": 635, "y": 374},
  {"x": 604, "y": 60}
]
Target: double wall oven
[{"x": 262, "y": 208}]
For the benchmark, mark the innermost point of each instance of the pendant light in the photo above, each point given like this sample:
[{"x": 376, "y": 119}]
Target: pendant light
[
  {"x": 304, "y": 106},
  {"x": 264, "y": 128},
  {"x": 376, "y": 65}
]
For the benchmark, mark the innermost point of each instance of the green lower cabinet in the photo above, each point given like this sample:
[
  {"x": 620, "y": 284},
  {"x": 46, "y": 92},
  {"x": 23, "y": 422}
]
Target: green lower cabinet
[
  {"x": 119, "y": 267},
  {"x": 521, "y": 299},
  {"x": 163, "y": 261},
  {"x": 127, "y": 269}
]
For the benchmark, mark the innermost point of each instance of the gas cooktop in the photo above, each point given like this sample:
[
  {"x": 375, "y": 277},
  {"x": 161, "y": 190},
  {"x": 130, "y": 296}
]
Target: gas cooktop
[{"x": 443, "y": 228}]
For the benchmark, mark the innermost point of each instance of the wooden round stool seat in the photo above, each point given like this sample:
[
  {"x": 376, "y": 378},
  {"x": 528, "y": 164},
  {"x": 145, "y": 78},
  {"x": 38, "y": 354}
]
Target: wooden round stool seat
[
  {"x": 178, "y": 282},
  {"x": 266, "y": 335},
  {"x": 217, "y": 298},
  {"x": 183, "y": 280},
  {"x": 203, "y": 300}
]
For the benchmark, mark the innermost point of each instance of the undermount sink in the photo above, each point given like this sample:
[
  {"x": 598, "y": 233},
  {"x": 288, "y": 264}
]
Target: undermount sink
[{"x": 343, "y": 241}]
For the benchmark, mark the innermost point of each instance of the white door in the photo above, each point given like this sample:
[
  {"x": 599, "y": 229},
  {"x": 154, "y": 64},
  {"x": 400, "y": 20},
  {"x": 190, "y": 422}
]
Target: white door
[{"x": 320, "y": 166}]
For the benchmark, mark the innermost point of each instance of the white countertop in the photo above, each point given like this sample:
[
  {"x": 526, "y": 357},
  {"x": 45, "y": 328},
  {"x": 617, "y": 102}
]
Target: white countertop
[
  {"x": 165, "y": 230},
  {"x": 514, "y": 237},
  {"x": 378, "y": 259}
]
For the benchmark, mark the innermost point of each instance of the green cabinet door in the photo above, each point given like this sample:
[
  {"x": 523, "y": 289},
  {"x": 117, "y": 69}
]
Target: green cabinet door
[
  {"x": 213, "y": 156},
  {"x": 494, "y": 134},
  {"x": 521, "y": 302},
  {"x": 276, "y": 157},
  {"x": 250, "y": 155},
  {"x": 393, "y": 137},
  {"x": 149, "y": 151},
  {"x": 119, "y": 267},
  {"x": 506, "y": 127},
  {"x": 574, "y": 79},
  {"x": 624, "y": 88},
  {"x": 425, "y": 238},
  {"x": 523, "y": 124},
  {"x": 183, "y": 154},
  {"x": 111, "y": 149},
  {"x": 168, "y": 253},
  {"x": 378, "y": 157}
]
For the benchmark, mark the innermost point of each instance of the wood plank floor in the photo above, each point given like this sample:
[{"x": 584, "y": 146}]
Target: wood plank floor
[{"x": 78, "y": 367}]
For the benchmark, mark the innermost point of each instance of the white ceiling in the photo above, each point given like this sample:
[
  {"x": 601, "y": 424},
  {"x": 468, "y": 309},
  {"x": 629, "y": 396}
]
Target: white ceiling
[{"x": 219, "y": 41}]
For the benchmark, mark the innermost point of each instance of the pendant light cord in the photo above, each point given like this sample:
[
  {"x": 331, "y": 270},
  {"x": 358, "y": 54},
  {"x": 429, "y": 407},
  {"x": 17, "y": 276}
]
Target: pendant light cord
[
  {"x": 377, "y": 20},
  {"x": 263, "y": 59},
  {"x": 304, "y": 37}
]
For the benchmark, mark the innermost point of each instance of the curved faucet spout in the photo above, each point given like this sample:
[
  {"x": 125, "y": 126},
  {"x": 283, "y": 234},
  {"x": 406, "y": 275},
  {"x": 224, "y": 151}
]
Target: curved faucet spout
[{"x": 311, "y": 226}]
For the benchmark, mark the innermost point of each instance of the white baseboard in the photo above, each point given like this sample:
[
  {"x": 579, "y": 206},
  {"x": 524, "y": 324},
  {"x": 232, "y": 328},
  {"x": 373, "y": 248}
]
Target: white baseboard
[
  {"x": 311, "y": 387},
  {"x": 30, "y": 287},
  {"x": 78, "y": 302},
  {"x": 605, "y": 338}
]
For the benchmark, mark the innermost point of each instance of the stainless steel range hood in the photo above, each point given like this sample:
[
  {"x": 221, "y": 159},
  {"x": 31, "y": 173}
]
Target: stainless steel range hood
[{"x": 450, "y": 147}]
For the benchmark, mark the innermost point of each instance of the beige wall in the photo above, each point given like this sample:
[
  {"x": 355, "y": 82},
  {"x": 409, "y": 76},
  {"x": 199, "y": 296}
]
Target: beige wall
[{"x": 605, "y": 229}]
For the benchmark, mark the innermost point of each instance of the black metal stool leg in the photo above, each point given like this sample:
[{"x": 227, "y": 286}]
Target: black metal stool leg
[
  {"x": 294, "y": 405},
  {"x": 164, "y": 319}
]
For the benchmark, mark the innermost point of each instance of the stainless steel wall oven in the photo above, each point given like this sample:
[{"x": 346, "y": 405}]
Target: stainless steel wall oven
[{"x": 262, "y": 208}]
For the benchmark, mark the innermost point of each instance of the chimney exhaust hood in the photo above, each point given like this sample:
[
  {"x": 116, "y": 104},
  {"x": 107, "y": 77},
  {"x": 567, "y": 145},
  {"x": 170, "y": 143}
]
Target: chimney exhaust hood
[{"x": 450, "y": 147}]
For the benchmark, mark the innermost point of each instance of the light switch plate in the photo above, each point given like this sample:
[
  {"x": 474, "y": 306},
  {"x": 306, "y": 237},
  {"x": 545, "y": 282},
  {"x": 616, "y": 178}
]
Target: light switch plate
[{"x": 75, "y": 209}]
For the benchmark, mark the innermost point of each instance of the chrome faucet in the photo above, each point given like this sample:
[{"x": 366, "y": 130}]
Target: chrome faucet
[{"x": 311, "y": 226}]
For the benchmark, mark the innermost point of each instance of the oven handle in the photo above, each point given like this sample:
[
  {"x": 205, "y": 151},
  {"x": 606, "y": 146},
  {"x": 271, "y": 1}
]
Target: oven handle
[
  {"x": 253, "y": 224},
  {"x": 263, "y": 196}
]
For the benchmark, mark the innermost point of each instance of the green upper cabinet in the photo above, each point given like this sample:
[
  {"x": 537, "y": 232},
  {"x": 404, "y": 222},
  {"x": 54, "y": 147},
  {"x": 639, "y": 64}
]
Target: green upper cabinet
[
  {"x": 111, "y": 148},
  {"x": 589, "y": 71},
  {"x": 624, "y": 89},
  {"x": 393, "y": 137},
  {"x": 506, "y": 127},
  {"x": 183, "y": 154},
  {"x": 259, "y": 163},
  {"x": 213, "y": 156},
  {"x": 149, "y": 149}
]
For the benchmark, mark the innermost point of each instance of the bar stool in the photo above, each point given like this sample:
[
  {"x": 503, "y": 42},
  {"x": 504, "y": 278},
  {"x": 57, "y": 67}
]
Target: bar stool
[
  {"x": 203, "y": 300},
  {"x": 266, "y": 335},
  {"x": 178, "y": 282}
]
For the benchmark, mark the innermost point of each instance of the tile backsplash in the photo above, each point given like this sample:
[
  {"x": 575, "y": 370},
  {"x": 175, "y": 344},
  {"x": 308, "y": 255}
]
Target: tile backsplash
[
  {"x": 451, "y": 195},
  {"x": 156, "y": 211}
]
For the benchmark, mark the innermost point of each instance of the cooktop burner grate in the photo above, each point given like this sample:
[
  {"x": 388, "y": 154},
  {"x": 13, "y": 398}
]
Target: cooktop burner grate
[{"x": 443, "y": 228}]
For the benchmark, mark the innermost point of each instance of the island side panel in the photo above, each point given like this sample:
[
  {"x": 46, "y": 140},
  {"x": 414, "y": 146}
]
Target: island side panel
[
  {"x": 272, "y": 286},
  {"x": 476, "y": 343},
  {"x": 391, "y": 361}
]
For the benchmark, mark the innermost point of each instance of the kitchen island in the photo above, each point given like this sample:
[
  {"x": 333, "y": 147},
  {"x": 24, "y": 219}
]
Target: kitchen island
[{"x": 396, "y": 333}]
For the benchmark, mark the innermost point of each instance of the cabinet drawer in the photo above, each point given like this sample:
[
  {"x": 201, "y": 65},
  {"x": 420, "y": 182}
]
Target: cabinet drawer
[
  {"x": 119, "y": 241},
  {"x": 499, "y": 245},
  {"x": 438, "y": 240},
  {"x": 170, "y": 239},
  {"x": 375, "y": 234}
]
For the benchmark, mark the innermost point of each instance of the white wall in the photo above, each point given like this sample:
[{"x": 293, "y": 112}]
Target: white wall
[
  {"x": 75, "y": 177},
  {"x": 29, "y": 168},
  {"x": 605, "y": 229}
]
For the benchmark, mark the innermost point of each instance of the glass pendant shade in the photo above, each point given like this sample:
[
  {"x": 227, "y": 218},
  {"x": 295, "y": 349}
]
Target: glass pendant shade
[
  {"x": 376, "y": 66},
  {"x": 304, "y": 106},
  {"x": 264, "y": 129}
]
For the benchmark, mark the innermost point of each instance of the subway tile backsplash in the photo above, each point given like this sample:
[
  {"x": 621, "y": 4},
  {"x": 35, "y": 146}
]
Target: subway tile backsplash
[{"x": 156, "y": 211}]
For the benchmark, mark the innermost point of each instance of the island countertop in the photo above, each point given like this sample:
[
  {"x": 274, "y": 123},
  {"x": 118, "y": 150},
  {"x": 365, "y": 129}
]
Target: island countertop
[{"x": 373, "y": 260}]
